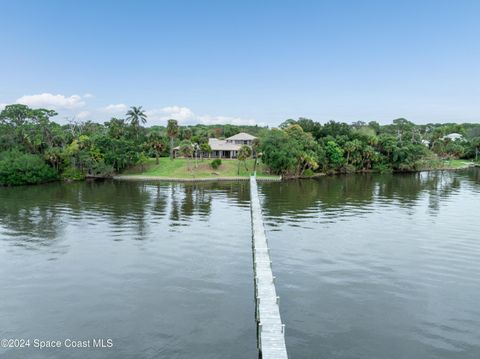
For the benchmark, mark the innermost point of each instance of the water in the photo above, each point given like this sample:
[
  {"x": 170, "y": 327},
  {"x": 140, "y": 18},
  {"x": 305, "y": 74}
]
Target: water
[
  {"x": 378, "y": 266},
  {"x": 367, "y": 266},
  {"x": 162, "y": 270}
]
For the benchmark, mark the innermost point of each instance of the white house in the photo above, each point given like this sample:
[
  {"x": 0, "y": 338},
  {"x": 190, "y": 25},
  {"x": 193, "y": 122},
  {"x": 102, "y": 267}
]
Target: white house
[
  {"x": 453, "y": 137},
  {"x": 227, "y": 148}
]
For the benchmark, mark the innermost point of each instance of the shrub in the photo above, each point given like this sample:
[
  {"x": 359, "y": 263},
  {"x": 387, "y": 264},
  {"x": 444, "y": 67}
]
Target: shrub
[
  {"x": 308, "y": 172},
  {"x": 17, "y": 168},
  {"x": 72, "y": 174},
  {"x": 102, "y": 169},
  {"x": 216, "y": 163},
  {"x": 382, "y": 168}
]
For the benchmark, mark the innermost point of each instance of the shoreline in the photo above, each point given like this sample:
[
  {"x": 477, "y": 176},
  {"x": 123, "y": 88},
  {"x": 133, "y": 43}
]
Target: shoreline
[
  {"x": 272, "y": 178},
  {"x": 199, "y": 179}
]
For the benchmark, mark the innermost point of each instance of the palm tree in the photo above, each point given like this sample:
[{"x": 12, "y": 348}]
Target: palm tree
[
  {"x": 172, "y": 131},
  {"x": 156, "y": 142},
  {"x": 243, "y": 154},
  {"x": 255, "y": 148},
  {"x": 187, "y": 134},
  {"x": 137, "y": 117},
  {"x": 186, "y": 149}
]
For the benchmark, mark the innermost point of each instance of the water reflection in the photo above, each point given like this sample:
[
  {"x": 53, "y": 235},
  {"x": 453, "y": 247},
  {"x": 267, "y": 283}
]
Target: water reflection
[
  {"x": 146, "y": 264},
  {"x": 378, "y": 266},
  {"x": 329, "y": 195},
  {"x": 37, "y": 215}
]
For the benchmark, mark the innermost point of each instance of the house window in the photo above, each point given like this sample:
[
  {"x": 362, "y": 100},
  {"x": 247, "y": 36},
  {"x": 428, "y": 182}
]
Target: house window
[{"x": 245, "y": 142}]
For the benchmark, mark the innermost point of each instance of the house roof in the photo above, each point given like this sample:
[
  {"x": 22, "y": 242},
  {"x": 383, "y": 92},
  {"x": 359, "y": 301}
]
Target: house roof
[
  {"x": 242, "y": 136},
  {"x": 453, "y": 136},
  {"x": 222, "y": 145}
]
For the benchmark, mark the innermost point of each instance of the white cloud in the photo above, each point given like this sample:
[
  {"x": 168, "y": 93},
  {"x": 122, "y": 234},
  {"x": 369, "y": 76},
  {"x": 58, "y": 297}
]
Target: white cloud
[
  {"x": 83, "y": 114},
  {"x": 115, "y": 108},
  {"x": 87, "y": 95},
  {"x": 49, "y": 100},
  {"x": 186, "y": 116},
  {"x": 175, "y": 112}
]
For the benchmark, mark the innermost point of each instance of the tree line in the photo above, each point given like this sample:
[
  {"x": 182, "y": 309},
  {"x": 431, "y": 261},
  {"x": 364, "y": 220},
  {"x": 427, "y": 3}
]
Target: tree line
[
  {"x": 36, "y": 149},
  {"x": 304, "y": 147}
]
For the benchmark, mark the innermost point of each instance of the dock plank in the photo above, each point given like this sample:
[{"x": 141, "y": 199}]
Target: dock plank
[{"x": 270, "y": 329}]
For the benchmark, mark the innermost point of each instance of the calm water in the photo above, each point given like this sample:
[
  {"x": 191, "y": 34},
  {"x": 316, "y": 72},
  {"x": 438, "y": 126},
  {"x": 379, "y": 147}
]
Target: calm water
[
  {"x": 165, "y": 271},
  {"x": 378, "y": 266},
  {"x": 366, "y": 266}
]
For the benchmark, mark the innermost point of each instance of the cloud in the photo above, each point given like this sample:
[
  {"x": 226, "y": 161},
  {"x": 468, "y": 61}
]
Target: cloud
[
  {"x": 186, "y": 116},
  {"x": 175, "y": 112},
  {"x": 87, "y": 95},
  {"x": 115, "y": 108},
  {"x": 49, "y": 100},
  {"x": 83, "y": 114}
]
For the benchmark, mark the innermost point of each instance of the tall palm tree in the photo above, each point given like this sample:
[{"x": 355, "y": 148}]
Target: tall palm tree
[
  {"x": 156, "y": 142},
  {"x": 137, "y": 117},
  {"x": 255, "y": 152},
  {"x": 172, "y": 132},
  {"x": 243, "y": 154}
]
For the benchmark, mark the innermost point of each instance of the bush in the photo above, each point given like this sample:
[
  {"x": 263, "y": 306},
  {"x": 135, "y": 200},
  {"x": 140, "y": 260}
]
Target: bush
[
  {"x": 17, "y": 168},
  {"x": 216, "y": 163},
  {"x": 72, "y": 174},
  {"x": 382, "y": 168},
  {"x": 102, "y": 169},
  {"x": 308, "y": 173}
]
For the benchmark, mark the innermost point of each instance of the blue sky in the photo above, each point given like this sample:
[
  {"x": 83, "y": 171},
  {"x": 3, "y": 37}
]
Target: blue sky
[{"x": 244, "y": 61}]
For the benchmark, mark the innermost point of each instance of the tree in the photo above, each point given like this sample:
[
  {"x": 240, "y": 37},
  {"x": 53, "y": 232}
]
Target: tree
[
  {"x": 243, "y": 154},
  {"x": 172, "y": 131},
  {"x": 186, "y": 149},
  {"x": 276, "y": 152},
  {"x": 334, "y": 154},
  {"x": 475, "y": 142},
  {"x": 205, "y": 147},
  {"x": 136, "y": 117},
  {"x": 255, "y": 149},
  {"x": 187, "y": 134},
  {"x": 155, "y": 141}
]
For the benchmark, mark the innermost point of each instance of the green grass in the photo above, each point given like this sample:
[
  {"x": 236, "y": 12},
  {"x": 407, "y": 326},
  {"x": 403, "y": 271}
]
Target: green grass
[
  {"x": 455, "y": 164},
  {"x": 184, "y": 169},
  {"x": 439, "y": 164}
]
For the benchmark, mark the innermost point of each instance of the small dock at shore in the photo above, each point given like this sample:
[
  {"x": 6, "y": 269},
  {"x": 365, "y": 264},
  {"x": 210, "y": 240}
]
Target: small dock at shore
[{"x": 270, "y": 329}]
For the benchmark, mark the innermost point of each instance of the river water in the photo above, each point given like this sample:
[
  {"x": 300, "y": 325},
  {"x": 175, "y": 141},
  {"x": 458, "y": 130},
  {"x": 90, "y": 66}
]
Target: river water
[{"x": 367, "y": 266}]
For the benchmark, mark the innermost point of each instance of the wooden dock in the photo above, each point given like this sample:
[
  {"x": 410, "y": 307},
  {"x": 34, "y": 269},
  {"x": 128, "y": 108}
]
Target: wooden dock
[{"x": 270, "y": 329}]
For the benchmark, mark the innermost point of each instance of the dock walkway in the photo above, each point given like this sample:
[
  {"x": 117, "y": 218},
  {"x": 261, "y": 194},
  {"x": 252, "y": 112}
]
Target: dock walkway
[{"x": 270, "y": 329}]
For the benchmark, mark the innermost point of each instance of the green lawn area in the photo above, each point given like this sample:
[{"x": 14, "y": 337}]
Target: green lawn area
[
  {"x": 183, "y": 168},
  {"x": 457, "y": 163}
]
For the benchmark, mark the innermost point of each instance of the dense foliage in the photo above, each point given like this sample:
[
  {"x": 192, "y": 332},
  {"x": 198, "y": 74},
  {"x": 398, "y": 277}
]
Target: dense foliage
[
  {"x": 18, "y": 168},
  {"x": 35, "y": 149},
  {"x": 303, "y": 147}
]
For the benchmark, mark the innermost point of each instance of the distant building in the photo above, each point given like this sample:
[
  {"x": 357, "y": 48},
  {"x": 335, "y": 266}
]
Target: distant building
[
  {"x": 453, "y": 137},
  {"x": 227, "y": 148},
  {"x": 426, "y": 143}
]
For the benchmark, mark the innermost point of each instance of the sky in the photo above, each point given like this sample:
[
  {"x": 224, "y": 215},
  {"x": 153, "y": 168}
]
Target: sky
[{"x": 244, "y": 62}]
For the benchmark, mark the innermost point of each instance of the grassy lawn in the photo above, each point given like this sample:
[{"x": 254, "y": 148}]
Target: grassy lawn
[
  {"x": 183, "y": 168},
  {"x": 457, "y": 163}
]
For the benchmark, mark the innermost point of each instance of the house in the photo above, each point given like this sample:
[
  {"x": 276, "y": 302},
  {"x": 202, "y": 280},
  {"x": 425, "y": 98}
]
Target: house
[
  {"x": 453, "y": 137},
  {"x": 227, "y": 148}
]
